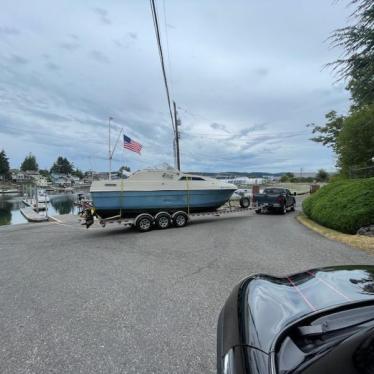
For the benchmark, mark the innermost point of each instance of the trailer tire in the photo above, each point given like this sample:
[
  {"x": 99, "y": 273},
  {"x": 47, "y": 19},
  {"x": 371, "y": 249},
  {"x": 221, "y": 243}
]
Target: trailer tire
[
  {"x": 292, "y": 208},
  {"x": 258, "y": 211},
  {"x": 162, "y": 220},
  {"x": 144, "y": 222},
  {"x": 245, "y": 202},
  {"x": 180, "y": 219}
]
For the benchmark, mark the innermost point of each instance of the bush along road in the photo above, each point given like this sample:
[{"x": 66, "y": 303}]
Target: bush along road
[{"x": 346, "y": 206}]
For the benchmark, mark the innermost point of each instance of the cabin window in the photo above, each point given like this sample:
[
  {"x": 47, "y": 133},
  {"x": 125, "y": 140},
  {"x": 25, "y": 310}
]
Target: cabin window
[{"x": 192, "y": 178}]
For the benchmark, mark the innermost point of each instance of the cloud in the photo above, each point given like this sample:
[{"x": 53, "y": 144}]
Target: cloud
[
  {"x": 133, "y": 35},
  {"x": 126, "y": 41},
  {"x": 262, "y": 71},
  {"x": 52, "y": 66},
  {"x": 70, "y": 46},
  {"x": 218, "y": 126},
  {"x": 103, "y": 15},
  {"x": 99, "y": 56},
  {"x": 18, "y": 60},
  {"x": 254, "y": 93},
  {"x": 5, "y": 30}
]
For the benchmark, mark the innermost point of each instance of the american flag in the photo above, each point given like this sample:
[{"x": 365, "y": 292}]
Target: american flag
[{"x": 131, "y": 144}]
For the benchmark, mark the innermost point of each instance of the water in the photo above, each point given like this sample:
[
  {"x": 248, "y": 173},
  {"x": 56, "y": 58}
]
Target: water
[{"x": 10, "y": 207}]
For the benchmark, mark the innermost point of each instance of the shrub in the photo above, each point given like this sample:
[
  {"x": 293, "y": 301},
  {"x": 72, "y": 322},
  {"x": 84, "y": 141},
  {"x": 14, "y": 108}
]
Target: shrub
[{"x": 344, "y": 205}]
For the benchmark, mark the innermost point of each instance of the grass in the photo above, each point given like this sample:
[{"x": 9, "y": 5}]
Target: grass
[
  {"x": 359, "y": 241},
  {"x": 344, "y": 205}
]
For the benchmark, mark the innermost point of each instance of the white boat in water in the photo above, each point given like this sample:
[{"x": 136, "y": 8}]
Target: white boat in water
[
  {"x": 12, "y": 191},
  {"x": 43, "y": 197},
  {"x": 152, "y": 191}
]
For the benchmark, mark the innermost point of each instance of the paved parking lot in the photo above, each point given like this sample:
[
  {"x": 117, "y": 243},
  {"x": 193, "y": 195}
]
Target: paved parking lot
[{"x": 117, "y": 301}]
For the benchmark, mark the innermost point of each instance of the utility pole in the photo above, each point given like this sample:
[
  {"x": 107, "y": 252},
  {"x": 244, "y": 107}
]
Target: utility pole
[{"x": 176, "y": 125}]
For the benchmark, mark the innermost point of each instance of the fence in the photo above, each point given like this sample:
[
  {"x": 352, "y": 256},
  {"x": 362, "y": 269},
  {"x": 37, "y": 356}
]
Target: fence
[{"x": 363, "y": 172}]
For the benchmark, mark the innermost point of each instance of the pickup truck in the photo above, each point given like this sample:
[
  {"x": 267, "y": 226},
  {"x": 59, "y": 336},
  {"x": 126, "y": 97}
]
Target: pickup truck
[{"x": 274, "y": 198}]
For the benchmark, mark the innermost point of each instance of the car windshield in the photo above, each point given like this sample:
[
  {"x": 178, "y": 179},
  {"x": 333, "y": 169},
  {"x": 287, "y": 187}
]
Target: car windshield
[{"x": 274, "y": 190}]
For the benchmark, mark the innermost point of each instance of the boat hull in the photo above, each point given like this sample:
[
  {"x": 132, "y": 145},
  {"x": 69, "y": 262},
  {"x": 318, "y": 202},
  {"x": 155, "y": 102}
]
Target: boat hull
[{"x": 131, "y": 203}]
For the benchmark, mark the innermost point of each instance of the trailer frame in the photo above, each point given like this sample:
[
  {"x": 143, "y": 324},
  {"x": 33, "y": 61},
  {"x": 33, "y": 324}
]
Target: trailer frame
[{"x": 145, "y": 221}]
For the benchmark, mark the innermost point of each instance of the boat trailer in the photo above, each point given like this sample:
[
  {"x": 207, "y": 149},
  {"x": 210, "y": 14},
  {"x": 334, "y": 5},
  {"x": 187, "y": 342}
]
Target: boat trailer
[{"x": 162, "y": 220}]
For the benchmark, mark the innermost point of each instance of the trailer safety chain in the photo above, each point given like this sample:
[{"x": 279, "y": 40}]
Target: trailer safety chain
[
  {"x": 121, "y": 197},
  {"x": 188, "y": 195}
]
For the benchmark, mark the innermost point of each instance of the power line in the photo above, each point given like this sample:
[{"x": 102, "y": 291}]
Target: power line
[
  {"x": 168, "y": 50},
  {"x": 158, "y": 38}
]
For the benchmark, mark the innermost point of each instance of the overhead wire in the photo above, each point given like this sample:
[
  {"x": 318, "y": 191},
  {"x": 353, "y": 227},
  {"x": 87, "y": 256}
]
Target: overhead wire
[
  {"x": 168, "y": 49},
  {"x": 161, "y": 55}
]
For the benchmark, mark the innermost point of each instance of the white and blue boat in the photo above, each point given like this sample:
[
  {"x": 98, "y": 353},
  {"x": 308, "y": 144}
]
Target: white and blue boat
[{"x": 152, "y": 191}]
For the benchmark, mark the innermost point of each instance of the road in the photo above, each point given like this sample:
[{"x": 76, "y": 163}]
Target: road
[{"x": 117, "y": 301}]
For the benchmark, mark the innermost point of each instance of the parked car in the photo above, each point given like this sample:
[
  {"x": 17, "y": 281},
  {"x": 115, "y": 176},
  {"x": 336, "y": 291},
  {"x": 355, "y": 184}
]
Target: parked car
[
  {"x": 318, "y": 321},
  {"x": 274, "y": 198}
]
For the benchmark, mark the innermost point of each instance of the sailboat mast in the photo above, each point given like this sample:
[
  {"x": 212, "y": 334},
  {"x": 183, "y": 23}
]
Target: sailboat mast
[{"x": 110, "y": 152}]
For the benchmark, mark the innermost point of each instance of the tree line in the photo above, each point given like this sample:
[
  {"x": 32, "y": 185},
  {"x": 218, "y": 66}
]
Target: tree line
[
  {"x": 351, "y": 136},
  {"x": 61, "y": 166}
]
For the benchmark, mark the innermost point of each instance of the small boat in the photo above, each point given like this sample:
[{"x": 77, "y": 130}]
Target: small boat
[
  {"x": 152, "y": 191},
  {"x": 12, "y": 191},
  {"x": 43, "y": 197}
]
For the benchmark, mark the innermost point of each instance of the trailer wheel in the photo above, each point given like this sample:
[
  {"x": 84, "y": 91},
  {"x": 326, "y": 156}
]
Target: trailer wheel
[
  {"x": 258, "y": 211},
  {"x": 180, "y": 219},
  {"x": 244, "y": 202},
  {"x": 144, "y": 222},
  {"x": 292, "y": 207},
  {"x": 162, "y": 220}
]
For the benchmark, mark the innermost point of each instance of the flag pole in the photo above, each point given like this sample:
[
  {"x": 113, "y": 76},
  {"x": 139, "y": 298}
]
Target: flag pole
[{"x": 115, "y": 145}]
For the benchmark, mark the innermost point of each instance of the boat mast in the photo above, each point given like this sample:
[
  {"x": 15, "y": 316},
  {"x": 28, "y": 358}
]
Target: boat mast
[{"x": 110, "y": 152}]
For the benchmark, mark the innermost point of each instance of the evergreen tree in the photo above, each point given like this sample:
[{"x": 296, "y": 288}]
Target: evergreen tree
[
  {"x": 4, "y": 165},
  {"x": 62, "y": 166},
  {"x": 29, "y": 163}
]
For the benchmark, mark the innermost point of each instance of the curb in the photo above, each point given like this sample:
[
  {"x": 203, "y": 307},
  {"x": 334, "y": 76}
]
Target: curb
[{"x": 358, "y": 241}]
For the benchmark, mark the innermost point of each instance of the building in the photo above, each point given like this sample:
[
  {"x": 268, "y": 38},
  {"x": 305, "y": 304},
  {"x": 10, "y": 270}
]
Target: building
[{"x": 64, "y": 180}]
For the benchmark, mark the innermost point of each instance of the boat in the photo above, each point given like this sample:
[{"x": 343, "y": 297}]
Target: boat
[
  {"x": 12, "y": 191},
  {"x": 43, "y": 197},
  {"x": 151, "y": 191}
]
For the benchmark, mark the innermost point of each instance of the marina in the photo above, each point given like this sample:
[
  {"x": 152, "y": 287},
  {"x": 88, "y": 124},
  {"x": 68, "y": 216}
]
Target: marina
[{"x": 11, "y": 214}]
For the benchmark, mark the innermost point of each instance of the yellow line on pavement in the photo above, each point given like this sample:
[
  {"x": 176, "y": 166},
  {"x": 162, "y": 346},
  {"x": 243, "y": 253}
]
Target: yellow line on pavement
[{"x": 359, "y": 241}]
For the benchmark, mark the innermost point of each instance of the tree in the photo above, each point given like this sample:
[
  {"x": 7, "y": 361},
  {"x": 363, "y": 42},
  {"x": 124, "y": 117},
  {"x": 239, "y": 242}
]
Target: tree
[
  {"x": 4, "y": 165},
  {"x": 351, "y": 137},
  {"x": 356, "y": 140},
  {"x": 287, "y": 177},
  {"x": 357, "y": 63},
  {"x": 44, "y": 173},
  {"x": 322, "y": 175},
  {"x": 29, "y": 163},
  {"x": 78, "y": 173},
  {"x": 329, "y": 132},
  {"x": 62, "y": 166}
]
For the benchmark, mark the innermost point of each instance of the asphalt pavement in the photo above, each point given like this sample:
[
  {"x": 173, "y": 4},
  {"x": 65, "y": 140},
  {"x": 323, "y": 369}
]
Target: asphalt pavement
[{"x": 114, "y": 300}]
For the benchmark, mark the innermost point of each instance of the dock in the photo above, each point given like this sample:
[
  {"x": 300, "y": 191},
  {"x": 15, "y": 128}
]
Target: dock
[
  {"x": 32, "y": 203},
  {"x": 32, "y": 216}
]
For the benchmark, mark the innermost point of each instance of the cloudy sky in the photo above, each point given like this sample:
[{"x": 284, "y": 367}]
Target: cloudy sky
[{"x": 247, "y": 77}]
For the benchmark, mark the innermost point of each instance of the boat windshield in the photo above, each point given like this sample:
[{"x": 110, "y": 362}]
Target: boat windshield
[{"x": 191, "y": 178}]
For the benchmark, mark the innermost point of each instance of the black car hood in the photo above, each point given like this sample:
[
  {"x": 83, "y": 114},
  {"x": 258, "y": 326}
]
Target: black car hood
[{"x": 268, "y": 304}]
